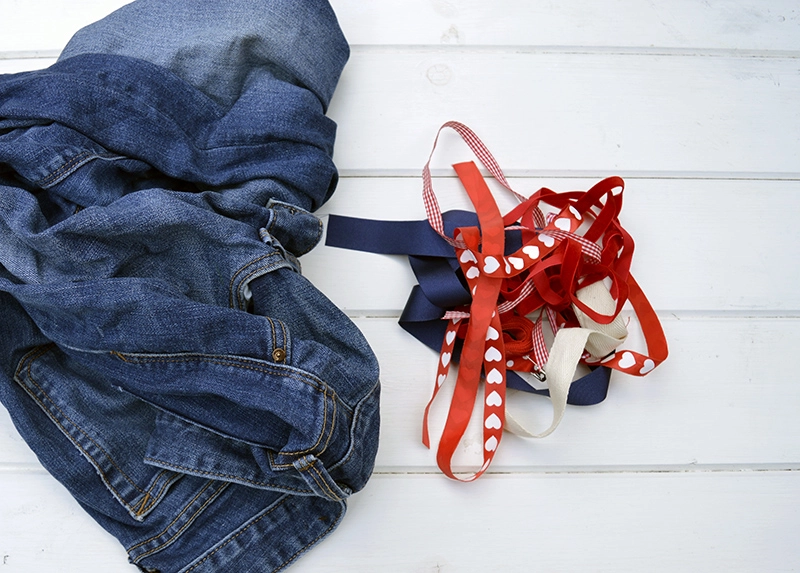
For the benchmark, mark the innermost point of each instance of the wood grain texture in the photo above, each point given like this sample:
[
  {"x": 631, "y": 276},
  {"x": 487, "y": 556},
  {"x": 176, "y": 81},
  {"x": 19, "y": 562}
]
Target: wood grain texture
[
  {"x": 631, "y": 522},
  {"x": 701, "y": 245},
  {"x": 563, "y": 111},
  {"x": 35, "y": 25},
  {"x": 722, "y": 399},
  {"x": 694, "y": 103}
]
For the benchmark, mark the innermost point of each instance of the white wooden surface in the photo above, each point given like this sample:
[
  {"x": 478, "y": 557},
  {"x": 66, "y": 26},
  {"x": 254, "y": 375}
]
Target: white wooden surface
[{"x": 696, "y": 105}]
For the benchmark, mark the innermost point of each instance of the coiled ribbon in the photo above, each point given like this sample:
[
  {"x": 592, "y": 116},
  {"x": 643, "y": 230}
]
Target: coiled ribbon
[{"x": 561, "y": 259}]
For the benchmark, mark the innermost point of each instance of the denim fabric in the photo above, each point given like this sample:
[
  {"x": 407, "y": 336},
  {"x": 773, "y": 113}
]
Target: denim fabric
[{"x": 160, "y": 350}]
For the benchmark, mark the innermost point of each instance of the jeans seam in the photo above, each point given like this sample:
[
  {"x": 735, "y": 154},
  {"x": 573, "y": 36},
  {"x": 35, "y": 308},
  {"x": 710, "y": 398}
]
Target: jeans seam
[
  {"x": 234, "y": 300},
  {"x": 320, "y": 480},
  {"x": 188, "y": 522},
  {"x": 30, "y": 358},
  {"x": 272, "y": 328},
  {"x": 355, "y": 421},
  {"x": 145, "y": 507},
  {"x": 319, "y": 439},
  {"x": 224, "y": 476},
  {"x": 285, "y": 340},
  {"x": 233, "y": 297},
  {"x": 327, "y": 392},
  {"x": 306, "y": 546},
  {"x": 282, "y": 565},
  {"x": 68, "y": 167}
]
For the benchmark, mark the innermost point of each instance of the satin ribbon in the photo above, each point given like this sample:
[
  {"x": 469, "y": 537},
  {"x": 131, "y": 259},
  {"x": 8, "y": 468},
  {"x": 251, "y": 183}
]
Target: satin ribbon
[{"x": 568, "y": 262}]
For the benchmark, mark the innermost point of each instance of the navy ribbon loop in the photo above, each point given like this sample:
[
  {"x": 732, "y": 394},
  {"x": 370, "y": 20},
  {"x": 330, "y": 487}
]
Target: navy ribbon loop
[{"x": 441, "y": 286}]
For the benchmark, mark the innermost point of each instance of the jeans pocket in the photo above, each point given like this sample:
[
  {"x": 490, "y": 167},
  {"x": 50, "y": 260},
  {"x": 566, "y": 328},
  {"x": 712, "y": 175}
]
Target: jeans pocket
[{"x": 108, "y": 427}]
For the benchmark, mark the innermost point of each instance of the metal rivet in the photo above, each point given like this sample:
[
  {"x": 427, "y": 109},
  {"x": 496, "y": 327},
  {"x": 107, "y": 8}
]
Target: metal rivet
[{"x": 279, "y": 355}]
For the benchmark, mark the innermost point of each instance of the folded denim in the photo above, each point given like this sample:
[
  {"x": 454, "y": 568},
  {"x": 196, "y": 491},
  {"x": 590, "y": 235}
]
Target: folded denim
[{"x": 160, "y": 350}]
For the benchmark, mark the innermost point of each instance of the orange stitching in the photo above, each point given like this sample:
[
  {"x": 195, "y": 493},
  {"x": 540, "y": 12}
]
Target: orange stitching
[
  {"x": 241, "y": 270},
  {"x": 184, "y": 526},
  {"x": 291, "y": 374},
  {"x": 81, "y": 430},
  {"x": 219, "y": 475},
  {"x": 323, "y": 485},
  {"x": 249, "y": 525}
]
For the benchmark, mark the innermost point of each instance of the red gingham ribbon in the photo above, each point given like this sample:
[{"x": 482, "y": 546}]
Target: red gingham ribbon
[{"x": 578, "y": 243}]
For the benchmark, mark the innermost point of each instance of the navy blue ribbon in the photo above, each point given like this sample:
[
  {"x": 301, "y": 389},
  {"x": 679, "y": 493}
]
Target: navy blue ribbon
[{"x": 441, "y": 286}]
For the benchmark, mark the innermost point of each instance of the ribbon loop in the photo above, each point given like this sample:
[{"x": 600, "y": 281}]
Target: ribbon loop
[{"x": 488, "y": 285}]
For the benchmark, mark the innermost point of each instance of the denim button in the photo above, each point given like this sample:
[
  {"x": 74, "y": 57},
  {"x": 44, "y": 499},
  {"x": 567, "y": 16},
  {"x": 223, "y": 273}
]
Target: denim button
[{"x": 279, "y": 355}]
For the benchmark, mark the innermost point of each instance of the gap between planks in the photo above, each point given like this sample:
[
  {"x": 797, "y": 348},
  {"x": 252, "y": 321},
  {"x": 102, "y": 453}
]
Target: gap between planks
[
  {"x": 12, "y": 468},
  {"x": 444, "y": 173},
  {"x": 512, "y": 49}
]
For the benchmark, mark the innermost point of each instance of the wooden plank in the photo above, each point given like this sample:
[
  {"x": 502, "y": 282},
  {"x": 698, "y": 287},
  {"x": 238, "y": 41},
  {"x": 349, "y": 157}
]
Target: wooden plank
[
  {"x": 690, "y": 248},
  {"x": 16, "y": 65},
  {"x": 747, "y": 25},
  {"x": 602, "y": 523},
  {"x": 725, "y": 396},
  {"x": 561, "y": 112},
  {"x": 720, "y": 521},
  {"x": 662, "y": 23},
  {"x": 38, "y": 25}
]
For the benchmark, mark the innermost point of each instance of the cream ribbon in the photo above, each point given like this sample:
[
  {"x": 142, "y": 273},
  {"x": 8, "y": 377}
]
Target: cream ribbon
[{"x": 568, "y": 347}]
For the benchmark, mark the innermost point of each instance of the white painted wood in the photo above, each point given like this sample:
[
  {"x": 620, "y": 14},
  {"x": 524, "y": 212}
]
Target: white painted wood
[
  {"x": 694, "y": 468},
  {"x": 15, "y": 65},
  {"x": 722, "y": 398},
  {"x": 725, "y": 397},
  {"x": 771, "y": 25},
  {"x": 42, "y": 25},
  {"x": 605, "y": 523},
  {"x": 560, "y": 111},
  {"x": 682, "y": 24},
  {"x": 659, "y": 522},
  {"x": 701, "y": 245}
]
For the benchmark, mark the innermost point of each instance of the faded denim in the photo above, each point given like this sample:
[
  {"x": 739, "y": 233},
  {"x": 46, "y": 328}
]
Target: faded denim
[{"x": 160, "y": 350}]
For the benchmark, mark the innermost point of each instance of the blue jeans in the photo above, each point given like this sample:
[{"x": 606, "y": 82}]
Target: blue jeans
[{"x": 159, "y": 349}]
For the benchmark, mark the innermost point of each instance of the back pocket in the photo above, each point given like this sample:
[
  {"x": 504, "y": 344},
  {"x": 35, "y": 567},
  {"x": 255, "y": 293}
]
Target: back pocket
[{"x": 110, "y": 428}]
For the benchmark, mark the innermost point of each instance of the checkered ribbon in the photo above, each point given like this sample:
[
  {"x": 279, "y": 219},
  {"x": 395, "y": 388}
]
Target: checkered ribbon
[{"x": 578, "y": 244}]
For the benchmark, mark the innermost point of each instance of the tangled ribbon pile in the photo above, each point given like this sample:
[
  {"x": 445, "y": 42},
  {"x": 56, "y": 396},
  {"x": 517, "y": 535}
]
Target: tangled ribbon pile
[{"x": 557, "y": 258}]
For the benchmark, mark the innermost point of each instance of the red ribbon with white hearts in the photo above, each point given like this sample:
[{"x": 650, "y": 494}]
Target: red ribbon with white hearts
[{"x": 580, "y": 243}]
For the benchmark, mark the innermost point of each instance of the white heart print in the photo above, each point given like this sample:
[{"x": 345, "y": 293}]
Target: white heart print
[
  {"x": 493, "y": 422},
  {"x": 490, "y": 264},
  {"x": 491, "y": 444},
  {"x": 473, "y": 273},
  {"x": 627, "y": 360},
  {"x": 492, "y": 334},
  {"x": 494, "y": 399},
  {"x": 494, "y": 376},
  {"x": 532, "y": 251},
  {"x": 647, "y": 367},
  {"x": 575, "y": 213},
  {"x": 546, "y": 240},
  {"x": 493, "y": 355},
  {"x": 518, "y": 263},
  {"x": 446, "y": 358},
  {"x": 468, "y": 256},
  {"x": 450, "y": 337},
  {"x": 563, "y": 224},
  {"x": 440, "y": 379}
]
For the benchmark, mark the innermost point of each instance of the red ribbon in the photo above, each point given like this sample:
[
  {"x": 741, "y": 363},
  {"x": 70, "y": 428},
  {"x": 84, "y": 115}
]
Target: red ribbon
[{"x": 578, "y": 243}]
